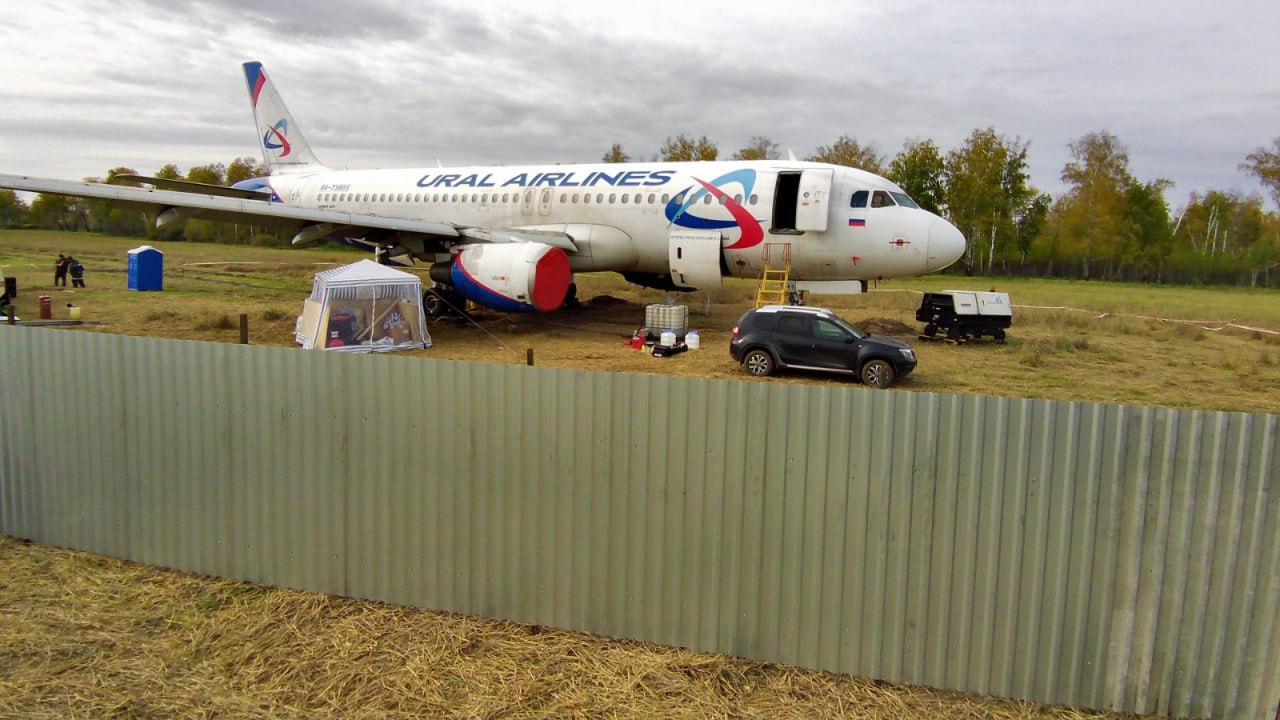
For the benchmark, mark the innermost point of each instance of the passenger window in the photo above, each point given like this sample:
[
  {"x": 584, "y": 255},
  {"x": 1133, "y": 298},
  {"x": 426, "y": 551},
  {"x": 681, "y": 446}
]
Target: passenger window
[
  {"x": 613, "y": 198},
  {"x": 792, "y": 325},
  {"x": 754, "y": 198},
  {"x": 859, "y": 199},
  {"x": 881, "y": 199},
  {"x": 586, "y": 199},
  {"x": 625, "y": 198},
  {"x": 767, "y": 322}
]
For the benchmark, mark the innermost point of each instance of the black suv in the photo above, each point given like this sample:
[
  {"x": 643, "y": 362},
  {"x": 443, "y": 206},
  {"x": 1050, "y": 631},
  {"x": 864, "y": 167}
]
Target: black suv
[{"x": 809, "y": 338}]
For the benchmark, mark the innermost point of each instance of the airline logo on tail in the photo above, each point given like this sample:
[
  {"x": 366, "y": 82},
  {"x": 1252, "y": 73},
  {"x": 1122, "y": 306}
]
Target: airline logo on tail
[
  {"x": 257, "y": 79},
  {"x": 275, "y": 139},
  {"x": 678, "y": 209}
]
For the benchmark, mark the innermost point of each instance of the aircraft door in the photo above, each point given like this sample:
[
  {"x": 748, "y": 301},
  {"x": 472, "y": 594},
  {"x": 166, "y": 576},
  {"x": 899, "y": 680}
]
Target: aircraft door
[
  {"x": 694, "y": 257},
  {"x": 544, "y": 201},
  {"x": 813, "y": 201},
  {"x": 526, "y": 202}
]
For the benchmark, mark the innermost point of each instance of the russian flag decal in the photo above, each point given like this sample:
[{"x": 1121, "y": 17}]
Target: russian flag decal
[{"x": 857, "y": 222}]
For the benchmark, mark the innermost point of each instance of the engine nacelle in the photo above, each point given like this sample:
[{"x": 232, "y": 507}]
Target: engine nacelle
[{"x": 515, "y": 277}]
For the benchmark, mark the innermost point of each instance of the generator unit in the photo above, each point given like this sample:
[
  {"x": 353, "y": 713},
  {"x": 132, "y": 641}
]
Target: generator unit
[{"x": 964, "y": 314}]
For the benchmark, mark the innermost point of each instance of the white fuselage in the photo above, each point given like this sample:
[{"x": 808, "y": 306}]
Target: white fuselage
[{"x": 624, "y": 217}]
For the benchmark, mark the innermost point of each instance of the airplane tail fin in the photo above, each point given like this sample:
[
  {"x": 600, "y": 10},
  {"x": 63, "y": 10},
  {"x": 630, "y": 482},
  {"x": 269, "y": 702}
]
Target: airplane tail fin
[{"x": 284, "y": 148}]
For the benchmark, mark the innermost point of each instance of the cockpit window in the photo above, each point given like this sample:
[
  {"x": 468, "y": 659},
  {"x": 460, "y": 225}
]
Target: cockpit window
[
  {"x": 859, "y": 199},
  {"x": 881, "y": 199},
  {"x": 904, "y": 200}
]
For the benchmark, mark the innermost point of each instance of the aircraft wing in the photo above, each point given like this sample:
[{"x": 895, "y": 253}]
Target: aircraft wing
[
  {"x": 190, "y": 187},
  {"x": 309, "y": 224}
]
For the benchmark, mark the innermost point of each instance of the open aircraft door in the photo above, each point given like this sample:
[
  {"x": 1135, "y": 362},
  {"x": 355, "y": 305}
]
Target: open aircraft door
[
  {"x": 813, "y": 200},
  {"x": 694, "y": 256}
]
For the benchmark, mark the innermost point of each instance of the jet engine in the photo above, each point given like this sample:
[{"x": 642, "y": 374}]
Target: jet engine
[{"x": 515, "y": 277}]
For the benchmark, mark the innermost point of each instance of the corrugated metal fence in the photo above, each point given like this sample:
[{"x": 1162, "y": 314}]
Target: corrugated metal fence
[{"x": 1099, "y": 556}]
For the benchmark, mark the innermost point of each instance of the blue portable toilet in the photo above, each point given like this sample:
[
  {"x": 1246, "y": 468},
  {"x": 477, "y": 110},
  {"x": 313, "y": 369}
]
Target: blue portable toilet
[{"x": 146, "y": 268}]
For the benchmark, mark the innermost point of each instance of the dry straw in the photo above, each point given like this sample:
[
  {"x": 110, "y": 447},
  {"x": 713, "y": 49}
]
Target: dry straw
[{"x": 87, "y": 636}]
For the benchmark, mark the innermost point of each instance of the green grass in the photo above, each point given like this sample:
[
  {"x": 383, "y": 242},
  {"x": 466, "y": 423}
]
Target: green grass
[{"x": 1070, "y": 340}]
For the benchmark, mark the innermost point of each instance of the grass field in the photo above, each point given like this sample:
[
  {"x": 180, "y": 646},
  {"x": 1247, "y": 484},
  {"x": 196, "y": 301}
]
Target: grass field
[
  {"x": 1070, "y": 340},
  {"x": 85, "y": 636}
]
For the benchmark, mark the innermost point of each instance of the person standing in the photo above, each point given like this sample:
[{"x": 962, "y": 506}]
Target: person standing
[
  {"x": 60, "y": 271},
  {"x": 5, "y": 307},
  {"x": 77, "y": 273}
]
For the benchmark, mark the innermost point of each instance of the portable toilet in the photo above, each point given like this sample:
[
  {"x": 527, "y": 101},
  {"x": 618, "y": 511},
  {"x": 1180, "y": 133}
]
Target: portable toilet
[{"x": 146, "y": 268}]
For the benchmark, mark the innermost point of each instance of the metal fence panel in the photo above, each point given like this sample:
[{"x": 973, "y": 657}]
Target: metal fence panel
[{"x": 1093, "y": 555}]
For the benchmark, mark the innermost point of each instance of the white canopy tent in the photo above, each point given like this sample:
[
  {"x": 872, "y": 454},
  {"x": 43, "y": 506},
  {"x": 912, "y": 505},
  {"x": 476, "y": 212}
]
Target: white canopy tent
[{"x": 365, "y": 307}]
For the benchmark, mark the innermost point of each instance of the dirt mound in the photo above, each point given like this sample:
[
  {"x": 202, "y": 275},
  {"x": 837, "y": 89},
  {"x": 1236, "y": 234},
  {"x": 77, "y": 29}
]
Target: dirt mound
[
  {"x": 604, "y": 301},
  {"x": 887, "y": 326}
]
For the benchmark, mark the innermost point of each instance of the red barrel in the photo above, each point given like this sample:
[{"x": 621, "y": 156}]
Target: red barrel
[{"x": 46, "y": 308}]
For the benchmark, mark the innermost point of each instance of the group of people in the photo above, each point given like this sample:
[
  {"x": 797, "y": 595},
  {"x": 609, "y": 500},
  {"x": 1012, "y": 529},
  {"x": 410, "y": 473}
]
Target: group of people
[{"x": 68, "y": 265}]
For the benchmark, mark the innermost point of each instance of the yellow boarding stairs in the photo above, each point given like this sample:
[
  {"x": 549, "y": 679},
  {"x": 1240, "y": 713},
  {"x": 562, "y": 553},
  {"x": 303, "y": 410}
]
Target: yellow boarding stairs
[{"x": 772, "y": 289}]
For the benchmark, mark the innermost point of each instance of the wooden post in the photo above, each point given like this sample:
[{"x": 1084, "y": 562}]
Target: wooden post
[
  {"x": 244, "y": 328},
  {"x": 528, "y": 357}
]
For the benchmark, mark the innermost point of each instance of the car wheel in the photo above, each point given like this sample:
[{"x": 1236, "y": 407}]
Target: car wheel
[
  {"x": 998, "y": 335},
  {"x": 877, "y": 373},
  {"x": 758, "y": 363},
  {"x": 930, "y": 330}
]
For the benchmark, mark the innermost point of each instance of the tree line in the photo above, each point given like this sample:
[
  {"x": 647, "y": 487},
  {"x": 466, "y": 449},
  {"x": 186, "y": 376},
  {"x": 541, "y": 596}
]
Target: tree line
[{"x": 1107, "y": 224}]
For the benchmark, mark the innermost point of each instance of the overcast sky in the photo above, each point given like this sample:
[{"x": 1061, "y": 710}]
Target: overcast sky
[{"x": 1189, "y": 88}]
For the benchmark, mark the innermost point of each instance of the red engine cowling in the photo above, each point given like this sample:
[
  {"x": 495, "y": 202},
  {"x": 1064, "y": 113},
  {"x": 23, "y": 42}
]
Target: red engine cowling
[{"x": 516, "y": 277}]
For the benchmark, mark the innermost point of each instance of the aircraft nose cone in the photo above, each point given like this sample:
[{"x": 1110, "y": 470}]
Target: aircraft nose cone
[{"x": 946, "y": 244}]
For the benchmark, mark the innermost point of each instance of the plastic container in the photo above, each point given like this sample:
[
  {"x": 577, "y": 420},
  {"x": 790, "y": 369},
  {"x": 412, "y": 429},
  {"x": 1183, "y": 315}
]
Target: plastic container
[
  {"x": 691, "y": 340},
  {"x": 46, "y": 308},
  {"x": 73, "y": 311},
  {"x": 672, "y": 317},
  {"x": 667, "y": 338}
]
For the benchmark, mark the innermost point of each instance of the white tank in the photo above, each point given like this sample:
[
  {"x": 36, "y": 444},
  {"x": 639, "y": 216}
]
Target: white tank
[
  {"x": 691, "y": 339},
  {"x": 667, "y": 338}
]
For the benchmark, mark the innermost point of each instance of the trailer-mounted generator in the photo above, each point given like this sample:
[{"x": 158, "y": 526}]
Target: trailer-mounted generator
[{"x": 964, "y": 314}]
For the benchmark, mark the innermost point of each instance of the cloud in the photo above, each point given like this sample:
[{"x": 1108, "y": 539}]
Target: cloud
[{"x": 387, "y": 83}]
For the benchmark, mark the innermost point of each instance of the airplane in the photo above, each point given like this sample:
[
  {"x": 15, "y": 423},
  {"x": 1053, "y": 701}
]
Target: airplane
[{"x": 512, "y": 238}]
